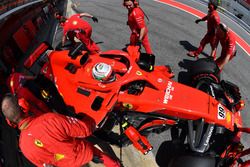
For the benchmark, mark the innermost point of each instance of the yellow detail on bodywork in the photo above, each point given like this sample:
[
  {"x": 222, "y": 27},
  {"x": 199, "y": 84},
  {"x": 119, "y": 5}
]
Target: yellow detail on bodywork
[
  {"x": 59, "y": 157},
  {"x": 228, "y": 117},
  {"x": 127, "y": 105}
]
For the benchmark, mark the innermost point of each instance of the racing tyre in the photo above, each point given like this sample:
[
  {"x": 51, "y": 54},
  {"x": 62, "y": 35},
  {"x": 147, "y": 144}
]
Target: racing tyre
[
  {"x": 205, "y": 67},
  {"x": 204, "y": 84}
]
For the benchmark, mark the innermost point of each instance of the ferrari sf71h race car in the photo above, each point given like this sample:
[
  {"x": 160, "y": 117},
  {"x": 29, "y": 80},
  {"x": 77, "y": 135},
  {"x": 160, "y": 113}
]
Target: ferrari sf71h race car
[{"x": 125, "y": 88}]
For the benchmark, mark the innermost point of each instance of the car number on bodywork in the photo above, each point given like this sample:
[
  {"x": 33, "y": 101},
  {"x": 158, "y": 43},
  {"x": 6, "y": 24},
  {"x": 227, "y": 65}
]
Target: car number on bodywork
[{"x": 221, "y": 112}]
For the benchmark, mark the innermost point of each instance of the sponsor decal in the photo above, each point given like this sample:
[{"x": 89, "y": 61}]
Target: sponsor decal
[
  {"x": 159, "y": 80},
  {"x": 168, "y": 91},
  {"x": 138, "y": 73},
  {"x": 221, "y": 112},
  {"x": 209, "y": 136}
]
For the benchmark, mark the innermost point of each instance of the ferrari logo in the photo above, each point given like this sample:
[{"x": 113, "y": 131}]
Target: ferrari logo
[
  {"x": 38, "y": 143},
  {"x": 127, "y": 105}
]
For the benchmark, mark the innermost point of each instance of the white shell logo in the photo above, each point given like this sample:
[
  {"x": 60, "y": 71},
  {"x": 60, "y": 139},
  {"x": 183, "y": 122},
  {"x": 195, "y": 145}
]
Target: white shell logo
[{"x": 221, "y": 112}]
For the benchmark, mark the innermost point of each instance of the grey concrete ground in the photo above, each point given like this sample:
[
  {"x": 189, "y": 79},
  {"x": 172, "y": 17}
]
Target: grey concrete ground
[{"x": 172, "y": 33}]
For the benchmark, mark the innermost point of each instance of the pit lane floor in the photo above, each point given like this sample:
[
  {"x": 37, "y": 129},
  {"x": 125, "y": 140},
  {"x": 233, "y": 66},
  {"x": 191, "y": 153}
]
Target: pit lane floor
[{"x": 172, "y": 33}]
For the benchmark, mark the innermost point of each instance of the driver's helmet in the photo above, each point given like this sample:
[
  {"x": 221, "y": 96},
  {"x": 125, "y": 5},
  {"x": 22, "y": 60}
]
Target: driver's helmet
[{"x": 103, "y": 72}]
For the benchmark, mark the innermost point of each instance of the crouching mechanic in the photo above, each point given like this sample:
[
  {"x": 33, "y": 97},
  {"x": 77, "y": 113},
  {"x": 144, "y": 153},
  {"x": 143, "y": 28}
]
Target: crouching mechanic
[
  {"x": 228, "y": 44},
  {"x": 75, "y": 26},
  {"x": 53, "y": 139},
  {"x": 136, "y": 22}
]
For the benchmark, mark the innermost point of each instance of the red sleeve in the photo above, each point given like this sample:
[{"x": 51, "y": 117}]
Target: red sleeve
[
  {"x": 72, "y": 127},
  {"x": 139, "y": 17}
]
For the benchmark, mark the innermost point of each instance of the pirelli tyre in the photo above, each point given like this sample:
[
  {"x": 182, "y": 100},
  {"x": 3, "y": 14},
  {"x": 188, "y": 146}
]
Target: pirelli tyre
[{"x": 205, "y": 68}]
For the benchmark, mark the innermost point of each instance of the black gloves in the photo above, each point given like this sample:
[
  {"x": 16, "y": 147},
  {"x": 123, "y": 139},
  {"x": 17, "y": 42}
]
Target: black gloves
[
  {"x": 94, "y": 19},
  {"x": 197, "y": 21}
]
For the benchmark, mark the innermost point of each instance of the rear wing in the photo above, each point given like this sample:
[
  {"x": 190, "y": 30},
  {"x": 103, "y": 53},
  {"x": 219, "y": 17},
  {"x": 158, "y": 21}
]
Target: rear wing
[{"x": 39, "y": 57}]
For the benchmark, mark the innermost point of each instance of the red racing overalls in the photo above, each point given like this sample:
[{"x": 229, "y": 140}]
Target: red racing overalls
[
  {"x": 75, "y": 22},
  {"x": 213, "y": 20},
  {"x": 58, "y": 140},
  {"x": 136, "y": 23}
]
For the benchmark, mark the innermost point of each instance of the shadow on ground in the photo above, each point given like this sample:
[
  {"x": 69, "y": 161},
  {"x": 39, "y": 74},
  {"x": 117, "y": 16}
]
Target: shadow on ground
[
  {"x": 184, "y": 77},
  {"x": 171, "y": 149},
  {"x": 189, "y": 47}
]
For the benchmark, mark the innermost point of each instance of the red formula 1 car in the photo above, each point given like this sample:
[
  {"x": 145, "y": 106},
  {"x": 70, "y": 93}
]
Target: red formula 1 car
[{"x": 125, "y": 88}]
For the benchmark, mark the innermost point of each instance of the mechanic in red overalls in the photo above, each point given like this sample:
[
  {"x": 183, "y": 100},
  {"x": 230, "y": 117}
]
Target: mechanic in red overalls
[
  {"x": 53, "y": 139},
  {"x": 227, "y": 40},
  {"x": 82, "y": 30},
  {"x": 213, "y": 20},
  {"x": 139, "y": 31}
]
